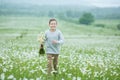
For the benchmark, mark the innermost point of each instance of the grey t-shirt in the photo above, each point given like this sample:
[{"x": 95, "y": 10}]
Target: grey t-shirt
[{"x": 49, "y": 37}]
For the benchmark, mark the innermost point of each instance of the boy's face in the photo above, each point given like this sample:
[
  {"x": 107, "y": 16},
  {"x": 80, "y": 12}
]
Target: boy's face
[{"x": 53, "y": 24}]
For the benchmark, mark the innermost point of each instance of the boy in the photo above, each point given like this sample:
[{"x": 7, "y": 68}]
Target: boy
[{"x": 53, "y": 39}]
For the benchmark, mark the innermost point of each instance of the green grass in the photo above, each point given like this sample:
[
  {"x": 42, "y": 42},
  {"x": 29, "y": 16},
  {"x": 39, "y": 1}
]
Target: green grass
[
  {"x": 37, "y": 24},
  {"x": 89, "y": 52}
]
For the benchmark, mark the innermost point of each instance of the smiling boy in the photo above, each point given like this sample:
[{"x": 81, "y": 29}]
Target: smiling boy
[{"x": 54, "y": 39}]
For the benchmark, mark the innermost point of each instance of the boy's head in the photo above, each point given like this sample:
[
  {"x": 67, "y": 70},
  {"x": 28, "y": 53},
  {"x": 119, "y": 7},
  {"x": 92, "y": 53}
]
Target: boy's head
[{"x": 52, "y": 23}]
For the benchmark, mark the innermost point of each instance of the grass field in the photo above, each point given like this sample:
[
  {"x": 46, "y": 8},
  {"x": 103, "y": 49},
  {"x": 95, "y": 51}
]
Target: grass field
[{"x": 89, "y": 52}]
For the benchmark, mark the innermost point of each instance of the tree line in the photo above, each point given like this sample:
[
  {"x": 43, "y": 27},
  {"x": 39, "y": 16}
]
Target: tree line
[{"x": 59, "y": 11}]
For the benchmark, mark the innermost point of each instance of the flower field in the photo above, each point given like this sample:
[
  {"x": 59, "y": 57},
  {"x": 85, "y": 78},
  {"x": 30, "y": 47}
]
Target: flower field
[{"x": 82, "y": 57}]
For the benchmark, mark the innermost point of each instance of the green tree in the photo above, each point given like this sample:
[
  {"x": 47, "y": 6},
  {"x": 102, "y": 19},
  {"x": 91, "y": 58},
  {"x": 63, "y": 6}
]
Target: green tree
[
  {"x": 69, "y": 13},
  {"x": 50, "y": 14},
  {"x": 118, "y": 26},
  {"x": 87, "y": 18}
]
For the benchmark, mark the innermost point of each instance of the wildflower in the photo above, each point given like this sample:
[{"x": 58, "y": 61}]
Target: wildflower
[
  {"x": 10, "y": 77},
  {"x": 41, "y": 38},
  {"x": 2, "y": 76}
]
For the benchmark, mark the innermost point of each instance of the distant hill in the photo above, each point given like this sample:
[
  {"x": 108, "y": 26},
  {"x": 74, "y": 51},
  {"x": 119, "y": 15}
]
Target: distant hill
[{"x": 48, "y": 10}]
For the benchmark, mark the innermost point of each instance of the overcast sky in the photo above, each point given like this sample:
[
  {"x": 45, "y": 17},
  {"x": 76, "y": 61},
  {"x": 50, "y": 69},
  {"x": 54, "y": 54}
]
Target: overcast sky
[{"x": 98, "y": 3}]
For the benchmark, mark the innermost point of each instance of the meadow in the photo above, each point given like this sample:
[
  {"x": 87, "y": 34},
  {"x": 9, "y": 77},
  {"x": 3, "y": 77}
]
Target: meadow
[{"x": 88, "y": 53}]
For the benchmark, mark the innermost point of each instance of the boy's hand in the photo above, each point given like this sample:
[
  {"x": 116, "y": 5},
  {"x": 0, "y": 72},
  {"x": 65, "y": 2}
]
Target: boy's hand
[{"x": 54, "y": 41}]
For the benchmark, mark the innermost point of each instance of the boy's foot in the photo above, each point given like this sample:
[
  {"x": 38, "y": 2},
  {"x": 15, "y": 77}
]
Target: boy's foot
[{"x": 55, "y": 72}]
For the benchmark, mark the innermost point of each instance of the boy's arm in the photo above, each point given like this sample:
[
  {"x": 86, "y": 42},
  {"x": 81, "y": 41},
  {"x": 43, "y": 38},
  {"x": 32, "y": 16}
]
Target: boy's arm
[{"x": 61, "y": 38}]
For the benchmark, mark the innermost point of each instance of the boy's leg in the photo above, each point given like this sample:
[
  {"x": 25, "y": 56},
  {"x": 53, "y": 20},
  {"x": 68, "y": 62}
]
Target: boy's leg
[
  {"x": 49, "y": 65},
  {"x": 55, "y": 62}
]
